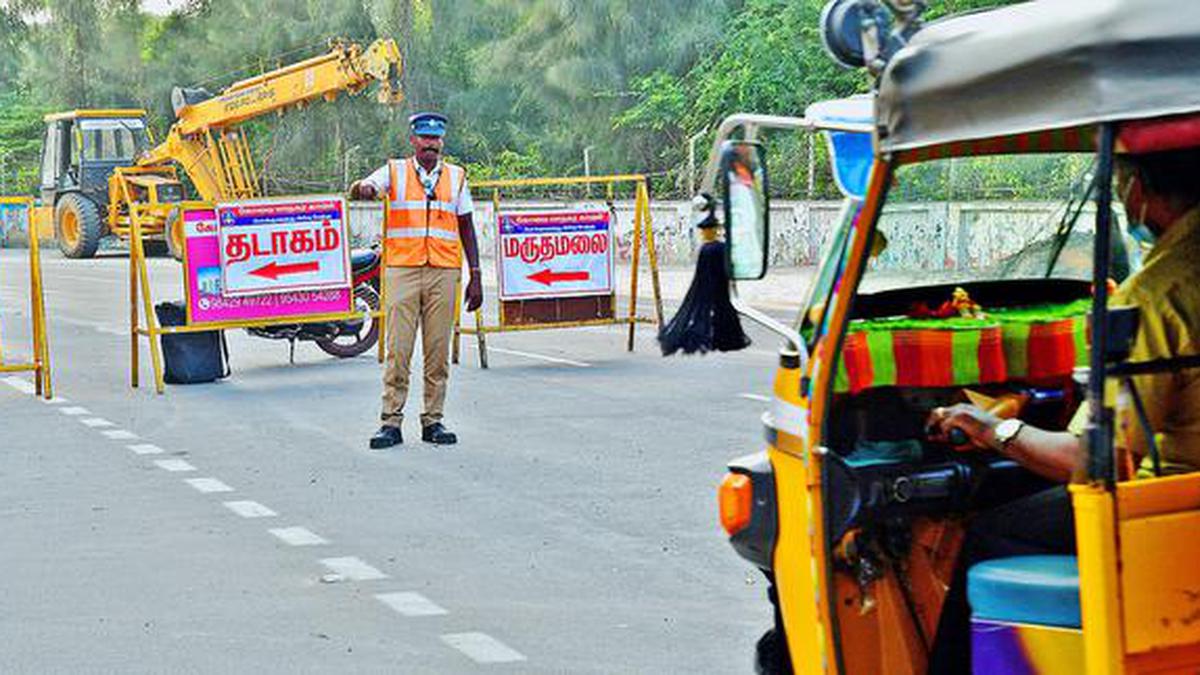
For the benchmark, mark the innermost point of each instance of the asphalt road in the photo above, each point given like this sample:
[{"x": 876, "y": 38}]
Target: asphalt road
[{"x": 245, "y": 526}]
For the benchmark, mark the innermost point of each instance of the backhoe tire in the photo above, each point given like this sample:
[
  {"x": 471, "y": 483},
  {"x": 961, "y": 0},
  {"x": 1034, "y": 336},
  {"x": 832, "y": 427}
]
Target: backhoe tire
[
  {"x": 77, "y": 226},
  {"x": 173, "y": 233}
]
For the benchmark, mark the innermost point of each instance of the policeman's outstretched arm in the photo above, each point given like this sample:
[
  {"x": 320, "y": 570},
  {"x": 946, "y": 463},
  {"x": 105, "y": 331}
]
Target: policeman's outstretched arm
[{"x": 466, "y": 234}]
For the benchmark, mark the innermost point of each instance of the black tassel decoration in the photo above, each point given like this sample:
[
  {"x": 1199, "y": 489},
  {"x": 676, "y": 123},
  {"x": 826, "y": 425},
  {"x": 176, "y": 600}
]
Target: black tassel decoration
[{"x": 706, "y": 320}]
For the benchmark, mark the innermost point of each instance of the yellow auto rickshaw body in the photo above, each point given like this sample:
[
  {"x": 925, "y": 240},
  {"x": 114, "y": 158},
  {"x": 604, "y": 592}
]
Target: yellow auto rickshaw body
[{"x": 1040, "y": 77}]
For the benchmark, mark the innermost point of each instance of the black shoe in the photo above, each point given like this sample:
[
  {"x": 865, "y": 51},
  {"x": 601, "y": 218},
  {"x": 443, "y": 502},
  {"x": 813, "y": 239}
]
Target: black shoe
[
  {"x": 386, "y": 437},
  {"x": 438, "y": 434}
]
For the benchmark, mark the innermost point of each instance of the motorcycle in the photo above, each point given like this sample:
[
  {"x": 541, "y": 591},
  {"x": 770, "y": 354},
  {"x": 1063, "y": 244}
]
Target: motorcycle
[{"x": 343, "y": 339}]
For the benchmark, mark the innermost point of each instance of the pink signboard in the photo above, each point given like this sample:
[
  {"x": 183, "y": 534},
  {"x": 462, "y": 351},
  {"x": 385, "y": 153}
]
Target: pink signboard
[{"x": 207, "y": 301}]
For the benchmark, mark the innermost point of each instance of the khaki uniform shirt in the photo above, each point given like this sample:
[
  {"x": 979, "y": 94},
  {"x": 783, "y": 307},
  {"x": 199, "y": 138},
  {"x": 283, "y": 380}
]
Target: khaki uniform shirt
[{"x": 1166, "y": 292}]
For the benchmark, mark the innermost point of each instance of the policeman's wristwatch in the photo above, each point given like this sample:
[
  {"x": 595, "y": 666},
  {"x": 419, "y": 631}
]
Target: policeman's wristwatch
[{"x": 1005, "y": 432}]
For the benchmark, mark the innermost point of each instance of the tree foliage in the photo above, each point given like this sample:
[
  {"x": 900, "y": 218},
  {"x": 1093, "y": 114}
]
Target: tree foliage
[{"x": 528, "y": 84}]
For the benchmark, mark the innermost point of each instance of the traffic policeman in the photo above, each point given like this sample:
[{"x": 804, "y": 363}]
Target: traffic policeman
[{"x": 429, "y": 229}]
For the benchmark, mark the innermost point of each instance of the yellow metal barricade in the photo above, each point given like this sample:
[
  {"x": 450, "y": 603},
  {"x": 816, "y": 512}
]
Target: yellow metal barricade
[
  {"x": 140, "y": 293},
  {"x": 643, "y": 235},
  {"x": 40, "y": 363}
]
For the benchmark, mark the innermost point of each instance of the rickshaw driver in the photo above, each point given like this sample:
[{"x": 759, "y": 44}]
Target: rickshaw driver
[{"x": 1161, "y": 193}]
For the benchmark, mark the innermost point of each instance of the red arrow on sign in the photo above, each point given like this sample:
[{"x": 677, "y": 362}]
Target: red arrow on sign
[
  {"x": 273, "y": 271},
  {"x": 546, "y": 277}
]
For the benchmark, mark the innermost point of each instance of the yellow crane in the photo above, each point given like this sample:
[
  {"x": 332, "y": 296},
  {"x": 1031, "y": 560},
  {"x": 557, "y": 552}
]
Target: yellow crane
[{"x": 90, "y": 166}]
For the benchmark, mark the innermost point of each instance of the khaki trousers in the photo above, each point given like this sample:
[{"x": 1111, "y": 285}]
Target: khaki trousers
[{"x": 424, "y": 295}]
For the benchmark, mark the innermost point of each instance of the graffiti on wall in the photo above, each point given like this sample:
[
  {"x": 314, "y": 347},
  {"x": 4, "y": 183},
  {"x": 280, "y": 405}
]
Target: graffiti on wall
[{"x": 921, "y": 236}]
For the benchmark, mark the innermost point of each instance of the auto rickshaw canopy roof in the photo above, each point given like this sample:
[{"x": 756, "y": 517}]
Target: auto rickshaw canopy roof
[{"x": 1039, "y": 77}]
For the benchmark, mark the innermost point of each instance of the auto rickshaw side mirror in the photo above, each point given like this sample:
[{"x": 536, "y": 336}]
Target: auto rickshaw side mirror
[{"x": 744, "y": 191}]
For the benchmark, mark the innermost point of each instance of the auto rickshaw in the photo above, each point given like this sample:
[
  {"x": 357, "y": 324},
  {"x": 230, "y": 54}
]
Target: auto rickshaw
[{"x": 853, "y": 514}]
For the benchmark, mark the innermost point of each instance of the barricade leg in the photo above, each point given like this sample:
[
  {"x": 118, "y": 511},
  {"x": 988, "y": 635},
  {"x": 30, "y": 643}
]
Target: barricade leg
[
  {"x": 482, "y": 335},
  {"x": 651, "y": 252},
  {"x": 39, "y": 362},
  {"x": 134, "y": 365},
  {"x": 383, "y": 294},
  {"x": 41, "y": 342},
  {"x": 633, "y": 269},
  {"x": 152, "y": 332}
]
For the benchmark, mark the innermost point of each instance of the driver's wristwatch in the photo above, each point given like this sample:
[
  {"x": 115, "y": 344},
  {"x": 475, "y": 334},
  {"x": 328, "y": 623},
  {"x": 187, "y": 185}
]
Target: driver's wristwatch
[{"x": 1006, "y": 431}]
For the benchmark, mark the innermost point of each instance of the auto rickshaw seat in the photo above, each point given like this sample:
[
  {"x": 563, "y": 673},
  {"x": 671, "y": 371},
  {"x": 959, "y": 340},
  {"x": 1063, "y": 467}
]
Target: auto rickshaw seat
[{"x": 1030, "y": 589}]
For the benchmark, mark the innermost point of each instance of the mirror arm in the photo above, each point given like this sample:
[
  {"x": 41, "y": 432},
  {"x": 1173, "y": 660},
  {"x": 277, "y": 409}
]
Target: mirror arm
[
  {"x": 795, "y": 342},
  {"x": 752, "y": 122}
]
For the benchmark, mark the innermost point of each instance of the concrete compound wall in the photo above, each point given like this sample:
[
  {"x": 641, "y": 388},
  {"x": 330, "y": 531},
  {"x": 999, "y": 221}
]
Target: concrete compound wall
[{"x": 921, "y": 236}]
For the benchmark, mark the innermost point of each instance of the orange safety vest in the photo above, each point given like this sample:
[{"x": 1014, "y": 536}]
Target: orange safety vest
[{"x": 423, "y": 230}]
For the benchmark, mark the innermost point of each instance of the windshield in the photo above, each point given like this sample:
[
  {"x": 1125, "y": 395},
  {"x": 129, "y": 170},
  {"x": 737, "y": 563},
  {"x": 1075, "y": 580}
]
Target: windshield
[
  {"x": 112, "y": 139},
  {"x": 990, "y": 218}
]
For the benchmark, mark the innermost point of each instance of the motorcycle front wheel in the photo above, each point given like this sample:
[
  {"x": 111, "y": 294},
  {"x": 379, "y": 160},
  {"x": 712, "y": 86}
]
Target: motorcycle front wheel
[{"x": 355, "y": 337}]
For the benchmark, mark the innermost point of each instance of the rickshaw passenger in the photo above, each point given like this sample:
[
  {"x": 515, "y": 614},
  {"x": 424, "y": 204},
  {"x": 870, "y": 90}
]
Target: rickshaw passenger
[{"x": 1161, "y": 195}]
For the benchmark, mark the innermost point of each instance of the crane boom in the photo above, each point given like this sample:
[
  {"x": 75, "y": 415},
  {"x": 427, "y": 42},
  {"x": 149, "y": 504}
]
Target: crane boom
[{"x": 204, "y": 140}]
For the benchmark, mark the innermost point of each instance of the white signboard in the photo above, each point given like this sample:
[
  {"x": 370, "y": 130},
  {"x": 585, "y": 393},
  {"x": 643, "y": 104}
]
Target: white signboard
[
  {"x": 555, "y": 254},
  {"x": 285, "y": 244}
]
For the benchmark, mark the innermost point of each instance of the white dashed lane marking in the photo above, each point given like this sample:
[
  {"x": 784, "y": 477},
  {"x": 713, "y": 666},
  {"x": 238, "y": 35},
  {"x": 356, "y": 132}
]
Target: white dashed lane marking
[
  {"x": 479, "y": 647},
  {"x": 482, "y": 648},
  {"x": 208, "y": 485},
  {"x": 411, "y": 604},
  {"x": 298, "y": 536},
  {"x": 353, "y": 568},
  {"x": 755, "y": 397},
  {"x": 249, "y": 509},
  {"x": 120, "y": 435},
  {"x": 174, "y": 465}
]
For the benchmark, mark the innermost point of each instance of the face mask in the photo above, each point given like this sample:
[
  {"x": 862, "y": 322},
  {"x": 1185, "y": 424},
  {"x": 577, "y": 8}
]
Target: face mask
[
  {"x": 1142, "y": 234},
  {"x": 1137, "y": 227}
]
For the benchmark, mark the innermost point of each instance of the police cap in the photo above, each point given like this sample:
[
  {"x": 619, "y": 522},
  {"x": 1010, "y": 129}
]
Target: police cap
[{"x": 428, "y": 124}]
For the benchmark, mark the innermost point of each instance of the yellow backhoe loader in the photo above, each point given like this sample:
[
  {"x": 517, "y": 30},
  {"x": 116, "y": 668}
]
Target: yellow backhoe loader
[{"x": 100, "y": 169}]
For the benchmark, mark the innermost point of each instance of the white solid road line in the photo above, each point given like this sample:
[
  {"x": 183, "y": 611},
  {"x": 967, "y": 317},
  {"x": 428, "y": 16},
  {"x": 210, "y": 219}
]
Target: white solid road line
[
  {"x": 538, "y": 357},
  {"x": 174, "y": 465},
  {"x": 95, "y": 422},
  {"x": 146, "y": 449},
  {"x": 353, "y": 568},
  {"x": 298, "y": 536},
  {"x": 249, "y": 509},
  {"x": 23, "y": 386},
  {"x": 482, "y": 648},
  {"x": 120, "y": 435},
  {"x": 74, "y": 411},
  {"x": 755, "y": 397},
  {"x": 208, "y": 485},
  {"x": 411, "y": 604}
]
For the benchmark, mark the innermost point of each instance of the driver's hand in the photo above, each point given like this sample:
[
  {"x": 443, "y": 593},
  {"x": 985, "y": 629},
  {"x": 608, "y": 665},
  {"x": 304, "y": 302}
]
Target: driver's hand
[{"x": 977, "y": 426}]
